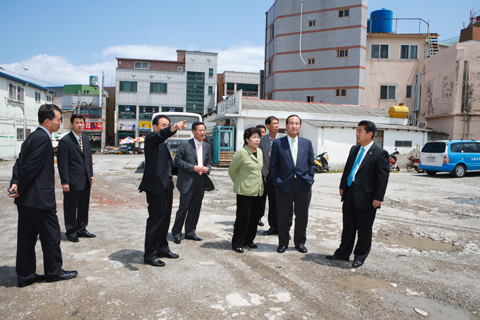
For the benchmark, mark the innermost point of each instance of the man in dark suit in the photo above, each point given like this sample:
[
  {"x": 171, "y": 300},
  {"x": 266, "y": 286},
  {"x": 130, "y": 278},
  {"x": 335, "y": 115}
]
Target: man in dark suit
[
  {"x": 33, "y": 187},
  {"x": 158, "y": 184},
  {"x": 194, "y": 161},
  {"x": 292, "y": 168},
  {"x": 262, "y": 130},
  {"x": 362, "y": 189},
  {"x": 266, "y": 143},
  {"x": 74, "y": 161}
]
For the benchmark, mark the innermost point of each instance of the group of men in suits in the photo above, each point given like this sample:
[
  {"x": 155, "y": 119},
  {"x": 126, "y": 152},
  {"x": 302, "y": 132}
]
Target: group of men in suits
[
  {"x": 288, "y": 172},
  {"x": 33, "y": 187},
  {"x": 194, "y": 160}
]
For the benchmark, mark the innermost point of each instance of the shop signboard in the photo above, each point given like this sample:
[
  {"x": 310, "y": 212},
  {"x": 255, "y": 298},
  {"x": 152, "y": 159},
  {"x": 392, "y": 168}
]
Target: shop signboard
[
  {"x": 127, "y": 126},
  {"x": 145, "y": 125},
  {"x": 97, "y": 126}
]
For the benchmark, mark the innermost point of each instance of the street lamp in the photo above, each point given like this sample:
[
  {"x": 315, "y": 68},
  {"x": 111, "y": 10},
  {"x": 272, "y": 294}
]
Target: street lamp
[{"x": 24, "y": 68}]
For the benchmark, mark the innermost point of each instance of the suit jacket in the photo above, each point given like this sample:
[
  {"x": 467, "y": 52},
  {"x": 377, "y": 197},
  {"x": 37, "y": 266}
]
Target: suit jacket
[
  {"x": 371, "y": 178},
  {"x": 158, "y": 162},
  {"x": 246, "y": 172},
  {"x": 186, "y": 160},
  {"x": 282, "y": 168},
  {"x": 74, "y": 166},
  {"x": 265, "y": 146},
  {"x": 34, "y": 172}
]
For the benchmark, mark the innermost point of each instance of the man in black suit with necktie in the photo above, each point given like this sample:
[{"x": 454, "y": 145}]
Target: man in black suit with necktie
[
  {"x": 194, "y": 161},
  {"x": 158, "y": 184},
  {"x": 33, "y": 187},
  {"x": 74, "y": 161},
  {"x": 362, "y": 188},
  {"x": 292, "y": 168}
]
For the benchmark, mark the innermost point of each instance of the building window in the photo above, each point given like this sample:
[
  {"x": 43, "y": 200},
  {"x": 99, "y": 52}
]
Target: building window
[
  {"x": 20, "y": 134},
  {"x": 157, "y": 87},
  {"x": 38, "y": 96},
  {"x": 270, "y": 66},
  {"x": 172, "y": 109},
  {"x": 210, "y": 89},
  {"x": 147, "y": 112},
  {"x": 16, "y": 93},
  {"x": 127, "y": 112},
  {"x": 309, "y": 98},
  {"x": 409, "y": 51},
  {"x": 402, "y": 143},
  {"x": 210, "y": 72},
  {"x": 179, "y": 68},
  {"x": 195, "y": 92},
  {"x": 91, "y": 112},
  {"x": 230, "y": 88},
  {"x": 130, "y": 86},
  {"x": 312, "y": 23},
  {"x": 379, "y": 51},
  {"x": 311, "y": 61},
  {"x": 409, "y": 92},
  {"x": 272, "y": 32},
  {"x": 28, "y": 131},
  {"x": 269, "y": 97},
  {"x": 388, "y": 92},
  {"x": 343, "y": 13},
  {"x": 248, "y": 90},
  {"x": 343, "y": 53},
  {"x": 49, "y": 98},
  {"x": 340, "y": 92},
  {"x": 141, "y": 65}
]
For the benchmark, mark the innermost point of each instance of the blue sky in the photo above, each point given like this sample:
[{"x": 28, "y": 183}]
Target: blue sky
[{"x": 63, "y": 42}]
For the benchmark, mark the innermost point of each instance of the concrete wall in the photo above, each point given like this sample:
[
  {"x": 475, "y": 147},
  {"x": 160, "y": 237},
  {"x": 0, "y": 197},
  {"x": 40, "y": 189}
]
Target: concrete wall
[
  {"x": 392, "y": 71},
  {"x": 289, "y": 78},
  {"x": 443, "y": 91}
]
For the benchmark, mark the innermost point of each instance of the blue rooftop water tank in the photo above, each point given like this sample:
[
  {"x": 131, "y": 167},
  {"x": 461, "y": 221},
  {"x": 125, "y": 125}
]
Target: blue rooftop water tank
[{"x": 381, "y": 21}]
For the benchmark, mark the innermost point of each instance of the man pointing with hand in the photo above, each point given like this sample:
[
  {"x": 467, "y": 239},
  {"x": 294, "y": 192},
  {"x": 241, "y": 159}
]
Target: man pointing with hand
[{"x": 158, "y": 184}]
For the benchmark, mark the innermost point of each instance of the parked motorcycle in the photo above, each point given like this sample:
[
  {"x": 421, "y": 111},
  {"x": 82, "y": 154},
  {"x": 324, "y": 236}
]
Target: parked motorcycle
[
  {"x": 321, "y": 162},
  {"x": 393, "y": 161},
  {"x": 413, "y": 164}
]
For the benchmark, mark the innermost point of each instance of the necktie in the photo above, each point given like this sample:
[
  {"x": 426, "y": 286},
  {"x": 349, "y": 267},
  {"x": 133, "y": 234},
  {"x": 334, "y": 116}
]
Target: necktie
[
  {"x": 355, "y": 167},
  {"x": 294, "y": 152},
  {"x": 200, "y": 155},
  {"x": 80, "y": 143}
]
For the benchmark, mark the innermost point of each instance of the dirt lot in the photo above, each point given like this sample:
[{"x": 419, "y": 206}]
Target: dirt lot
[{"x": 425, "y": 257}]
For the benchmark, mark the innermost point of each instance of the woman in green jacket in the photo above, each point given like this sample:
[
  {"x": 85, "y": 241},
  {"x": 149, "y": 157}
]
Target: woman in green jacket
[{"x": 246, "y": 173}]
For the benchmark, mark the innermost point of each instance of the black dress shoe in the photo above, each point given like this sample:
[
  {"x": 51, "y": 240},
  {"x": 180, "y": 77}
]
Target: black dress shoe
[
  {"x": 270, "y": 232},
  {"x": 170, "y": 255},
  {"x": 260, "y": 223},
  {"x": 156, "y": 263},
  {"x": 301, "y": 248},
  {"x": 281, "y": 249},
  {"x": 38, "y": 278},
  {"x": 85, "y": 234},
  {"x": 334, "y": 257},
  {"x": 72, "y": 238},
  {"x": 239, "y": 250},
  {"x": 194, "y": 238},
  {"x": 177, "y": 240},
  {"x": 65, "y": 275},
  {"x": 357, "y": 264},
  {"x": 253, "y": 246}
]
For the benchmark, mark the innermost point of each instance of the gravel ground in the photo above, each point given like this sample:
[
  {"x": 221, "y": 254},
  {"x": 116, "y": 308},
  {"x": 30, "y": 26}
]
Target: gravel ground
[{"x": 425, "y": 257}]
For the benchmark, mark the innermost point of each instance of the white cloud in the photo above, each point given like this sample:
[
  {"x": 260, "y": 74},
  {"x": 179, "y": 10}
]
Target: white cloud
[
  {"x": 47, "y": 70},
  {"x": 246, "y": 58}
]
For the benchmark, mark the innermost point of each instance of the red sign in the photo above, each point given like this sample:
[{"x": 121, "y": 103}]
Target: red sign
[{"x": 94, "y": 126}]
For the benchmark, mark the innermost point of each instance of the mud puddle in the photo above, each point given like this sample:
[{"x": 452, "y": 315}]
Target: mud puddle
[{"x": 416, "y": 243}]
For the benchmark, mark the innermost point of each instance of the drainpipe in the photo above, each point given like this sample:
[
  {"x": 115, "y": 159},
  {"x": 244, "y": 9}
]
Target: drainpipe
[{"x": 465, "y": 86}]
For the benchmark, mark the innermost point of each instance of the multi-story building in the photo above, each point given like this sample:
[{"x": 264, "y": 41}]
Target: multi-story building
[
  {"x": 230, "y": 82},
  {"x": 144, "y": 87},
  {"x": 315, "y": 51},
  {"x": 19, "y": 103}
]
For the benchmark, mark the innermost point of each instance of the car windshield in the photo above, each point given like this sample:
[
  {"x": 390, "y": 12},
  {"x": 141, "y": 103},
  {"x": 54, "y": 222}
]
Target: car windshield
[
  {"x": 190, "y": 120},
  {"x": 434, "y": 147}
]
